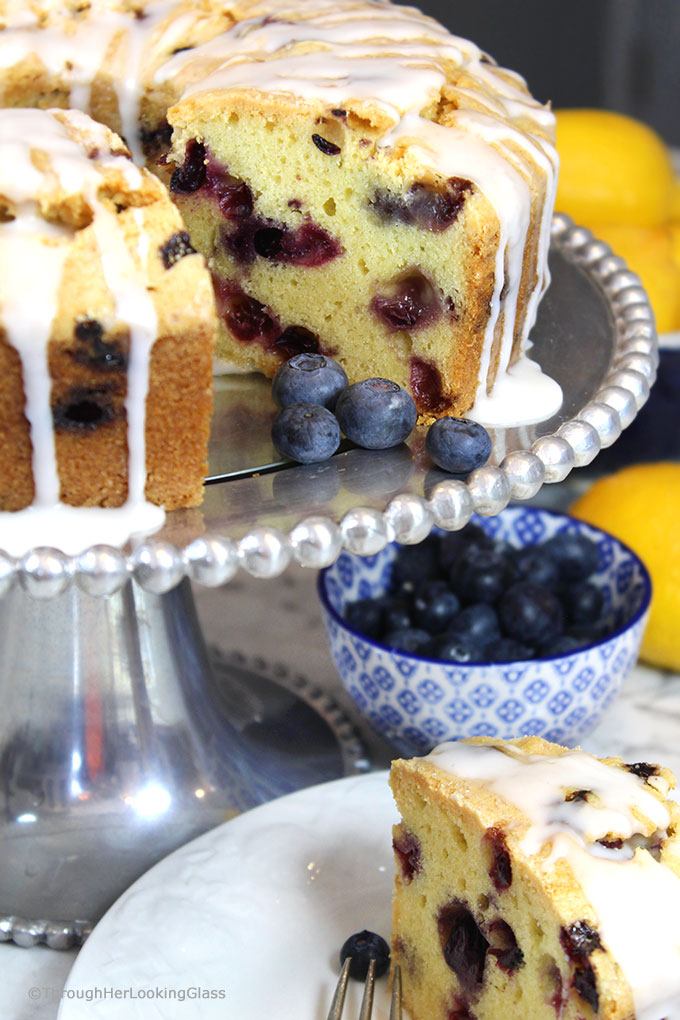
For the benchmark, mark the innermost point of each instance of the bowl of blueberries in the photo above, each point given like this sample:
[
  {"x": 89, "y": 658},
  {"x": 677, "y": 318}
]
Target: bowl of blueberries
[{"x": 523, "y": 623}]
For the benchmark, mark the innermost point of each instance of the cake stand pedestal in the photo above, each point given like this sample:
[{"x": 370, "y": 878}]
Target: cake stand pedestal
[{"x": 119, "y": 740}]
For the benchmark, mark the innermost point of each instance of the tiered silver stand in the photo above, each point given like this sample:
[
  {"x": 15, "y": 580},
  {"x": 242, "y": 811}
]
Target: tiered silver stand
[{"x": 121, "y": 737}]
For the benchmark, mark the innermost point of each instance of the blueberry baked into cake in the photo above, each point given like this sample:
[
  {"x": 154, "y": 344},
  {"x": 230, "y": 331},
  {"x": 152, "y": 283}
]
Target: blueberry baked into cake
[
  {"x": 361, "y": 182},
  {"x": 533, "y": 881},
  {"x": 107, "y": 325}
]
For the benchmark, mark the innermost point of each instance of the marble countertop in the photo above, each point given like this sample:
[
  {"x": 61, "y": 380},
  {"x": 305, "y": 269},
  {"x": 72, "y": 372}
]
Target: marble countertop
[{"x": 642, "y": 724}]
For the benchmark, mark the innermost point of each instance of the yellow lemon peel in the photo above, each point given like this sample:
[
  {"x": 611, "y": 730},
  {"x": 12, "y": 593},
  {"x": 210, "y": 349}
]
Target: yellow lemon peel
[{"x": 639, "y": 505}]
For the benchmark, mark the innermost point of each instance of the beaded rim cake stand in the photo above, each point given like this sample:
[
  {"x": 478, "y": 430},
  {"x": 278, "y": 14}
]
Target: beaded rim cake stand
[
  {"x": 115, "y": 746},
  {"x": 184, "y": 548}
]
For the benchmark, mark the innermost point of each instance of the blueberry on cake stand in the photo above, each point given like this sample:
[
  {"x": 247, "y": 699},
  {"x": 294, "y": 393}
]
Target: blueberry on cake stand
[{"x": 121, "y": 738}]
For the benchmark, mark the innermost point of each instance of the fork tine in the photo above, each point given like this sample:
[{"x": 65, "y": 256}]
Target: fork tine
[
  {"x": 367, "y": 1001},
  {"x": 340, "y": 990},
  {"x": 395, "y": 1006}
]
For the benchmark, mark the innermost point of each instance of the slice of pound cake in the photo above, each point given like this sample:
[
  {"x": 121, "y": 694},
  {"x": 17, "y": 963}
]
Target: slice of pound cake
[
  {"x": 534, "y": 881},
  {"x": 107, "y": 325}
]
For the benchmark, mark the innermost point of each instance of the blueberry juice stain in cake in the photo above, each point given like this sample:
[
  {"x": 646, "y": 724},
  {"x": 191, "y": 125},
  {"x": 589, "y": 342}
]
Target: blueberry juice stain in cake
[
  {"x": 244, "y": 238},
  {"x": 245, "y": 234},
  {"x": 464, "y": 945},
  {"x": 250, "y": 321}
]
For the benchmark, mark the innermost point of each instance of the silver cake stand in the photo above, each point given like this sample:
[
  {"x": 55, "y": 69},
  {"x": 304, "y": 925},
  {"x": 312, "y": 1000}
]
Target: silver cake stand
[{"x": 120, "y": 736}]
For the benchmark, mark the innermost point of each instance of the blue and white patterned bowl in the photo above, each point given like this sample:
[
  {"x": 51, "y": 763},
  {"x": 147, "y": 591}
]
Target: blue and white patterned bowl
[{"x": 415, "y": 702}]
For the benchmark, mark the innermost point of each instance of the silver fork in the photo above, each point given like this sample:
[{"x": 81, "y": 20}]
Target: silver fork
[{"x": 338, "y": 1001}]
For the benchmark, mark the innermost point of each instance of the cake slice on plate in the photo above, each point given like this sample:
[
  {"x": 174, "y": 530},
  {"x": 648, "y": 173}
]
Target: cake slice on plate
[{"x": 534, "y": 881}]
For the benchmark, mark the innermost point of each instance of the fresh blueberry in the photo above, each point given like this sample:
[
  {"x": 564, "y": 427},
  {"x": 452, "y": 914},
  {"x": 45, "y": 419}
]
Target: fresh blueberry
[
  {"x": 410, "y": 639},
  {"x": 451, "y": 546},
  {"x": 474, "y": 534},
  {"x": 576, "y": 556},
  {"x": 530, "y": 613},
  {"x": 500, "y": 545},
  {"x": 309, "y": 379},
  {"x": 362, "y": 948},
  {"x": 434, "y": 606},
  {"x": 505, "y": 649},
  {"x": 589, "y": 634},
  {"x": 306, "y": 432},
  {"x": 480, "y": 575},
  {"x": 532, "y": 563},
  {"x": 396, "y": 613},
  {"x": 366, "y": 616},
  {"x": 458, "y": 445},
  {"x": 454, "y": 648},
  {"x": 376, "y": 413},
  {"x": 415, "y": 564},
  {"x": 565, "y": 644},
  {"x": 479, "y": 622},
  {"x": 583, "y": 602}
]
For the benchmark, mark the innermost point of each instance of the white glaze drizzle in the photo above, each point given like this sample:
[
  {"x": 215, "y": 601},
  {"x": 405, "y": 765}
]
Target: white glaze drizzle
[
  {"x": 74, "y": 49},
  {"x": 376, "y": 55},
  {"x": 635, "y": 897},
  {"x": 32, "y": 257}
]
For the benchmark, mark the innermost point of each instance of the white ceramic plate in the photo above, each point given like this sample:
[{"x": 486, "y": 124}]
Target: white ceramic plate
[{"x": 253, "y": 913}]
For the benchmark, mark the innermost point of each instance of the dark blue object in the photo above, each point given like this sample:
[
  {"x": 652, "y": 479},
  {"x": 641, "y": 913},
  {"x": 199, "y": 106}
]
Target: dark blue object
[
  {"x": 455, "y": 648},
  {"x": 530, "y": 613},
  {"x": 505, "y": 649},
  {"x": 309, "y": 379},
  {"x": 396, "y": 613},
  {"x": 363, "y": 947},
  {"x": 565, "y": 644},
  {"x": 414, "y": 564},
  {"x": 306, "y": 432},
  {"x": 410, "y": 639},
  {"x": 366, "y": 616},
  {"x": 479, "y": 622},
  {"x": 434, "y": 606},
  {"x": 376, "y": 413},
  {"x": 532, "y": 563},
  {"x": 458, "y": 445},
  {"x": 583, "y": 602},
  {"x": 576, "y": 556},
  {"x": 480, "y": 575}
]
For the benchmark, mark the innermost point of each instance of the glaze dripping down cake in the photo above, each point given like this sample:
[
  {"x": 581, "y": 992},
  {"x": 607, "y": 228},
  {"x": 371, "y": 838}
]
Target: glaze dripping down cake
[
  {"x": 107, "y": 325},
  {"x": 360, "y": 181},
  {"x": 533, "y": 881}
]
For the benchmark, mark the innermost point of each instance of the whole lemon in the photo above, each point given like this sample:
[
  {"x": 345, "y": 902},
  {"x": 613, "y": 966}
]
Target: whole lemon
[
  {"x": 675, "y": 202},
  {"x": 675, "y": 243},
  {"x": 639, "y": 505},
  {"x": 613, "y": 169},
  {"x": 649, "y": 252}
]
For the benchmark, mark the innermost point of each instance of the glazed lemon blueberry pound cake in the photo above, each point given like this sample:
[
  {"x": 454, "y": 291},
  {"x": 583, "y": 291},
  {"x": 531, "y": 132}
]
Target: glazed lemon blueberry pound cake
[
  {"x": 362, "y": 182},
  {"x": 533, "y": 881},
  {"x": 106, "y": 325}
]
